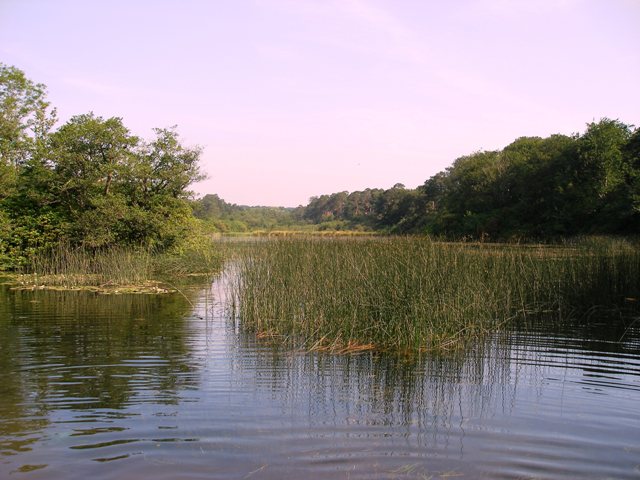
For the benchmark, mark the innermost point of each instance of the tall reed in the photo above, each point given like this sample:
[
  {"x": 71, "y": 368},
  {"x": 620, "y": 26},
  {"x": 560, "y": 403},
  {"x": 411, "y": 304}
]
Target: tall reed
[
  {"x": 68, "y": 266},
  {"x": 413, "y": 293}
]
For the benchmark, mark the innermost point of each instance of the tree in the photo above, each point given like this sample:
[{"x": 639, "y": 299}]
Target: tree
[
  {"x": 91, "y": 157},
  {"x": 25, "y": 120},
  {"x": 164, "y": 168},
  {"x": 115, "y": 188},
  {"x": 90, "y": 182},
  {"x": 606, "y": 175},
  {"x": 394, "y": 206}
]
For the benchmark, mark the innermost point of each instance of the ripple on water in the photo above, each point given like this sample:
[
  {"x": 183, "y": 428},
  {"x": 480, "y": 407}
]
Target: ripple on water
[{"x": 132, "y": 387}]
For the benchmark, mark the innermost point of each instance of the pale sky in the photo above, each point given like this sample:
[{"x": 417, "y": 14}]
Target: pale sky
[{"x": 294, "y": 98}]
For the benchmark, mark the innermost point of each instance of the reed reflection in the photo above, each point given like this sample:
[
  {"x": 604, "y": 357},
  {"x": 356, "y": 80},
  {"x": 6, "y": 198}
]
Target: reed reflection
[
  {"x": 428, "y": 398},
  {"x": 433, "y": 401}
]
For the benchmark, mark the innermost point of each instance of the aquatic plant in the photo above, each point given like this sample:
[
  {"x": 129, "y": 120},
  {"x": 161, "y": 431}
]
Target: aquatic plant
[
  {"x": 68, "y": 266},
  {"x": 411, "y": 293},
  {"x": 131, "y": 269}
]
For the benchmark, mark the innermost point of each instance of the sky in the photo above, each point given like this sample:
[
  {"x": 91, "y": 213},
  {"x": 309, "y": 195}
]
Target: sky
[{"x": 295, "y": 98}]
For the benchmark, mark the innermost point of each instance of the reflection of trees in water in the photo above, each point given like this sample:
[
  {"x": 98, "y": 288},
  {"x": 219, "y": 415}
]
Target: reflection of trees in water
[
  {"x": 610, "y": 331},
  {"x": 599, "y": 348},
  {"x": 18, "y": 414},
  {"x": 81, "y": 351}
]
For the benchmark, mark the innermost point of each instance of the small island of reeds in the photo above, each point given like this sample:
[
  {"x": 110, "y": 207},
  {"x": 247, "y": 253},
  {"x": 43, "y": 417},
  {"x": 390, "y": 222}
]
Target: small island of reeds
[{"x": 413, "y": 294}]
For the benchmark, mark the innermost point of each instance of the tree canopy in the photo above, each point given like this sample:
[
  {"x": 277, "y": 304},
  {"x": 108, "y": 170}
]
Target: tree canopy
[
  {"x": 90, "y": 181},
  {"x": 534, "y": 188}
]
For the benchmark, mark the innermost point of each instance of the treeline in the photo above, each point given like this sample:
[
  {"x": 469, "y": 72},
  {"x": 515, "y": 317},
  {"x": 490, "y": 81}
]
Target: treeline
[
  {"x": 230, "y": 217},
  {"x": 533, "y": 188},
  {"x": 90, "y": 182}
]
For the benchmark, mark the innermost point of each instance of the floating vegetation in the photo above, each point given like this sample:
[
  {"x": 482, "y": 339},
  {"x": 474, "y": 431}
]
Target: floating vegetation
[{"x": 85, "y": 283}]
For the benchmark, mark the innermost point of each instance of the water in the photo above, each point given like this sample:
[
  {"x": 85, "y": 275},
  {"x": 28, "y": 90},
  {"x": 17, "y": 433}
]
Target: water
[{"x": 112, "y": 387}]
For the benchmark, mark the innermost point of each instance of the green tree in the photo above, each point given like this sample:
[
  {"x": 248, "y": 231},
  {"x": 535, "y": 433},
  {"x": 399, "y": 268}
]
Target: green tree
[
  {"x": 156, "y": 189},
  {"x": 164, "y": 168},
  {"x": 89, "y": 182},
  {"x": 90, "y": 155},
  {"x": 631, "y": 152},
  {"x": 90, "y": 158},
  {"x": 25, "y": 120},
  {"x": 606, "y": 175}
]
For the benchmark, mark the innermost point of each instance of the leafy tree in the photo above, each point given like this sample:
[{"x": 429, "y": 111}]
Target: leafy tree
[
  {"x": 392, "y": 206},
  {"x": 89, "y": 182},
  {"x": 606, "y": 175},
  {"x": 164, "y": 168},
  {"x": 25, "y": 120},
  {"x": 115, "y": 188},
  {"x": 90, "y": 157},
  {"x": 533, "y": 188}
]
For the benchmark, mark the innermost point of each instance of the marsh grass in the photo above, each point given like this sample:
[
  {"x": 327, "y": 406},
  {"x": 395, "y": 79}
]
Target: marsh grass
[
  {"x": 68, "y": 266},
  {"x": 201, "y": 259},
  {"x": 413, "y": 294},
  {"x": 117, "y": 269}
]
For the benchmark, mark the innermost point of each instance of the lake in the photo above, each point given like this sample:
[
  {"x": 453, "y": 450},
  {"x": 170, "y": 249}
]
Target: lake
[{"x": 167, "y": 387}]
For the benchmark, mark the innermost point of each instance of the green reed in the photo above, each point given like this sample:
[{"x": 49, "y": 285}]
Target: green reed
[
  {"x": 68, "y": 266},
  {"x": 414, "y": 294}
]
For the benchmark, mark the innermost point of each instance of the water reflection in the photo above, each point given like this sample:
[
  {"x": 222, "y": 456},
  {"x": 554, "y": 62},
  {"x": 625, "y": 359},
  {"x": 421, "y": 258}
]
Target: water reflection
[
  {"x": 519, "y": 405},
  {"x": 139, "y": 387},
  {"x": 71, "y": 364}
]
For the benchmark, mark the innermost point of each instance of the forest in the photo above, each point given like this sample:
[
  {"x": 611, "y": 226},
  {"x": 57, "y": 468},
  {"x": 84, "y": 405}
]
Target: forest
[
  {"x": 92, "y": 182},
  {"x": 533, "y": 189},
  {"x": 88, "y": 182}
]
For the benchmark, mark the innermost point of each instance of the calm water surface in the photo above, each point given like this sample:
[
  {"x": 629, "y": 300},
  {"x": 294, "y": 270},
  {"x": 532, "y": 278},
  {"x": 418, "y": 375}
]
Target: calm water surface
[{"x": 133, "y": 387}]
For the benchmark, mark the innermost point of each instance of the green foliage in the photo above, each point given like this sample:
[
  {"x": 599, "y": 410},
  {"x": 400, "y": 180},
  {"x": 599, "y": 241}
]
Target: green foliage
[
  {"x": 198, "y": 254},
  {"x": 90, "y": 182},
  {"x": 6, "y": 230},
  {"x": 28, "y": 235},
  {"x": 89, "y": 155},
  {"x": 226, "y": 218},
  {"x": 25, "y": 120},
  {"x": 534, "y": 188},
  {"x": 25, "y": 117}
]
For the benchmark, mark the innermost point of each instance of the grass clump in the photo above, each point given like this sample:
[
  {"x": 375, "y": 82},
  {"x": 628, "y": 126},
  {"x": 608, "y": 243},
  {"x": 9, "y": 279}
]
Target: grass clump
[
  {"x": 118, "y": 269},
  {"x": 409, "y": 293},
  {"x": 67, "y": 266}
]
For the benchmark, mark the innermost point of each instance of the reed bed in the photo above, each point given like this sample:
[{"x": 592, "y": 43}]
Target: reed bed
[
  {"x": 67, "y": 266},
  {"x": 117, "y": 269},
  {"x": 414, "y": 294}
]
